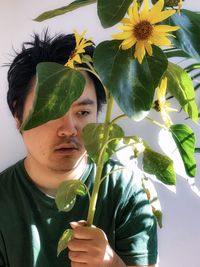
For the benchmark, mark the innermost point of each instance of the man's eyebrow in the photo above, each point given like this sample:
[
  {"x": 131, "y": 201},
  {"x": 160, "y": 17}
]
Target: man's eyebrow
[{"x": 85, "y": 102}]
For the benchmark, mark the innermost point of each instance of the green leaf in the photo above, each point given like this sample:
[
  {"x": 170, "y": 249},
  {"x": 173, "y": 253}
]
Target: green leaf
[
  {"x": 197, "y": 149},
  {"x": 158, "y": 215},
  {"x": 57, "y": 88},
  {"x": 64, "y": 240},
  {"x": 159, "y": 165},
  {"x": 111, "y": 12},
  {"x": 192, "y": 67},
  {"x": 181, "y": 87},
  {"x": 62, "y": 10},
  {"x": 185, "y": 141},
  {"x": 131, "y": 84},
  {"x": 175, "y": 52},
  {"x": 187, "y": 37},
  {"x": 93, "y": 136},
  {"x": 67, "y": 192}
]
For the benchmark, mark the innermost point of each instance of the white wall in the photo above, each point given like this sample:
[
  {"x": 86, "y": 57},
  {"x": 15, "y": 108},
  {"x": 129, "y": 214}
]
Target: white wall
[{"x": 179, "y": 239}]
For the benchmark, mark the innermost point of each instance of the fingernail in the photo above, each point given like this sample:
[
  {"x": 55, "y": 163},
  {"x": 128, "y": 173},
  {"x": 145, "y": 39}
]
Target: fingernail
[{"x": 73, "y": 224}]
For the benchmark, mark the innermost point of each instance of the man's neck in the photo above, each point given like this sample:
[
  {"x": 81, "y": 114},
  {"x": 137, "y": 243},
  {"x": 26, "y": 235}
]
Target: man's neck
[{"x": 48, "y": 180}]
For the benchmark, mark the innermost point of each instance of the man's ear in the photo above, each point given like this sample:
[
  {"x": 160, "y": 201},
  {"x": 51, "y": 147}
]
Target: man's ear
[{"x": 18, "y": 123}]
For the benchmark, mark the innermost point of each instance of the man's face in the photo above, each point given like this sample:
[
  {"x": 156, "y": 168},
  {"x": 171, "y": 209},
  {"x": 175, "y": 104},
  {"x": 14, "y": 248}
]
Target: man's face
[{"x": 57, "y": 144}]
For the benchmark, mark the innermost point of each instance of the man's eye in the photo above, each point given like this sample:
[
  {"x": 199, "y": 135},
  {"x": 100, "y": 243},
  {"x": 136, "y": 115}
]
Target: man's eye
[{"x": 83, "y": 113}]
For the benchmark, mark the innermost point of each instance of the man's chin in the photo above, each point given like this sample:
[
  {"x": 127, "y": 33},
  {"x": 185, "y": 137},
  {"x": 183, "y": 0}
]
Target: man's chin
[{"x": 66, "y": 164}]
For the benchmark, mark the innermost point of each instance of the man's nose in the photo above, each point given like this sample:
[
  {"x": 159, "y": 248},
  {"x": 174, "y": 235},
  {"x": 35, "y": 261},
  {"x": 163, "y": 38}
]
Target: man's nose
[{"x": 67, "y": 126}]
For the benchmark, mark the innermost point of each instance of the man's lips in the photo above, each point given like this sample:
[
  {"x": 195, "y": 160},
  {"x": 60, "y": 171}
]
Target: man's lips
[
  {"x": 66, "y": 149},
  {"x": 66, "y": 146}
]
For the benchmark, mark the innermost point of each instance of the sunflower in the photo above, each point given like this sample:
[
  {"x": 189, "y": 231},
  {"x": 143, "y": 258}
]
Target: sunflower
[
  {"x": 161, "y": 105},
  {"x": 139, "y": 29},
  {"x": 81, "y": 44}
]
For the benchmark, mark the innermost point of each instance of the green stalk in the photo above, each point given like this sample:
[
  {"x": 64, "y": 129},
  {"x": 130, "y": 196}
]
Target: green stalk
[{"x": 100, "y": 163}]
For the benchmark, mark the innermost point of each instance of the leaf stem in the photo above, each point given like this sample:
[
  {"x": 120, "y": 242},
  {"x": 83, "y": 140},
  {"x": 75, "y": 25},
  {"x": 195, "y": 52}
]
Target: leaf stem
[
  {"x": 109, "y": 173},
  {"x": 157, "y": 123},
  {"x": 100, "y": 163},
  {"x": 118, "y": 118}
]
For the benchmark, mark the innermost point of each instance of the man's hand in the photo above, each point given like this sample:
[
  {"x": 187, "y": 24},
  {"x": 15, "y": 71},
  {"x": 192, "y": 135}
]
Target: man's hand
[{"x": 90, "y": 248}]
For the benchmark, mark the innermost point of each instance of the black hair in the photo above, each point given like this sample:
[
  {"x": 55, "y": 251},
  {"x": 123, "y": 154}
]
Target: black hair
[{"x": 42, "y": 49}]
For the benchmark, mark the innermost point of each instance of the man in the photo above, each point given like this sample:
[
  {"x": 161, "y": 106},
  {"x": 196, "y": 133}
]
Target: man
[{"x": 30, "y": 227}]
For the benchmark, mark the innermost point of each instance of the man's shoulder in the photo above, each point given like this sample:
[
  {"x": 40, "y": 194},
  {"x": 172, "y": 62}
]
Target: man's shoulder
[
  {"x": 120, "y": 176},
  {"x": 119, "y": 171},
  {"x": 9, "y": 173}
]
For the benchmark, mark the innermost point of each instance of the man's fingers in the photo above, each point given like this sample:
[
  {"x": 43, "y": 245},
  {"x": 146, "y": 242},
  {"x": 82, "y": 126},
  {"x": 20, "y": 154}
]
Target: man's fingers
[
  {"x": 79, "y": 223},
  {"x": 86, "y": 232},
  {"x": 78, "y": 245},
  {"x": 78, "y": 257},
  {"x": 78, "y": 264}
]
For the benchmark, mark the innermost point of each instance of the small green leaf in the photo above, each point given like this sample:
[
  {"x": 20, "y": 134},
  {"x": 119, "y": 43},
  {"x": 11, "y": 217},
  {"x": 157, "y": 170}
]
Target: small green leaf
[
  {"x": 131, "y": 84},
  {"x": 185, "y": 141},
  {"x": 187, "y": 37},
  {"x": 159, "y": 165},
  {"x": 158, "y": 215},
  {"x": 93, "y": 136},
  {"x": 64, "y": 240},
  {"x": 181, "y": 87},
  {"x": 62, "y": 10},
  {"x": 111, "y": 12},
  {"x": 57, "y": 88},
  {"x": 67, "y": 192}
]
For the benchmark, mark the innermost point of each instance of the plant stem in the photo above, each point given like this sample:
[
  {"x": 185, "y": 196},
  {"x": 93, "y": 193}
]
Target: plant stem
[
  {"x": 118, "y": 118},
  {"x": 100, "y": 162},
  {"x": 157, "y": 123}
]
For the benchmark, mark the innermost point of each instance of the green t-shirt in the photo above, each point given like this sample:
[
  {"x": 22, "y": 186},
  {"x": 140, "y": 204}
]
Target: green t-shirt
[{"x": 30, "y": 224}]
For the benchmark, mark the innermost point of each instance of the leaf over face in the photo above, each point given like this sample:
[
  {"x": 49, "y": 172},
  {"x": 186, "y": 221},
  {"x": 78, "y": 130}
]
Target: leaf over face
[
  {"x": 62, "y": 10},
  {"x": 131, "y": 84},
  {"x": 185, "y": 141},
  {"x": 159, "y": 165},
  {"x": 181, "y": 87},
  {"x": 112, "y": 11},
  {"x": 93, "y": 136},
  {"x": 67, "y": 192},
  {"x": 57, "y": 88}
]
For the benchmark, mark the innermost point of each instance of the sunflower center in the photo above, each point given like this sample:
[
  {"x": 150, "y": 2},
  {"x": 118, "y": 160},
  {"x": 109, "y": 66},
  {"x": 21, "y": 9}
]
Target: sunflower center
[{"x": 143, "y": 30}]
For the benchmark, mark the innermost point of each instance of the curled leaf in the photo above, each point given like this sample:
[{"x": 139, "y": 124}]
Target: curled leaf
[{"x": 67, "y": 192}]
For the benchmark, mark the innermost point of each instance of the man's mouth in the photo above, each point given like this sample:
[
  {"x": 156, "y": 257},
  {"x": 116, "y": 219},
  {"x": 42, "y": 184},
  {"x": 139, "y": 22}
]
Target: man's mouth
[{"x": 66, "y": 149}]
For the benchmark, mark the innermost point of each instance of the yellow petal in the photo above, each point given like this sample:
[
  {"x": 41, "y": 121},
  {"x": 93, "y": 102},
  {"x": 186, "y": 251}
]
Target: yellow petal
[
  {"x": 126, "y": 27},
  {"x": 160, "y": 40},
  {"x": 128, "y": 43},
  {"x": 165, "y": 28},
  {"x": 162, "y": 16},
  {"x": 122, "y": 35},
  {"x": 148, "y": 47},
  {"x": 163, "y": 86},
  {"x": 156, "y": 9},
  {"x": 162, "y": 91},
  {"x": 135, "y": 13},
  {"x": 125, "y": 21},
  {"x": 145, "y": 11},
  {"x": 139, "y": 51},
  {"x": 130, "y": 12},
  {"x": 70, "y": 64},
  {"x": 77, "y": 58}
]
